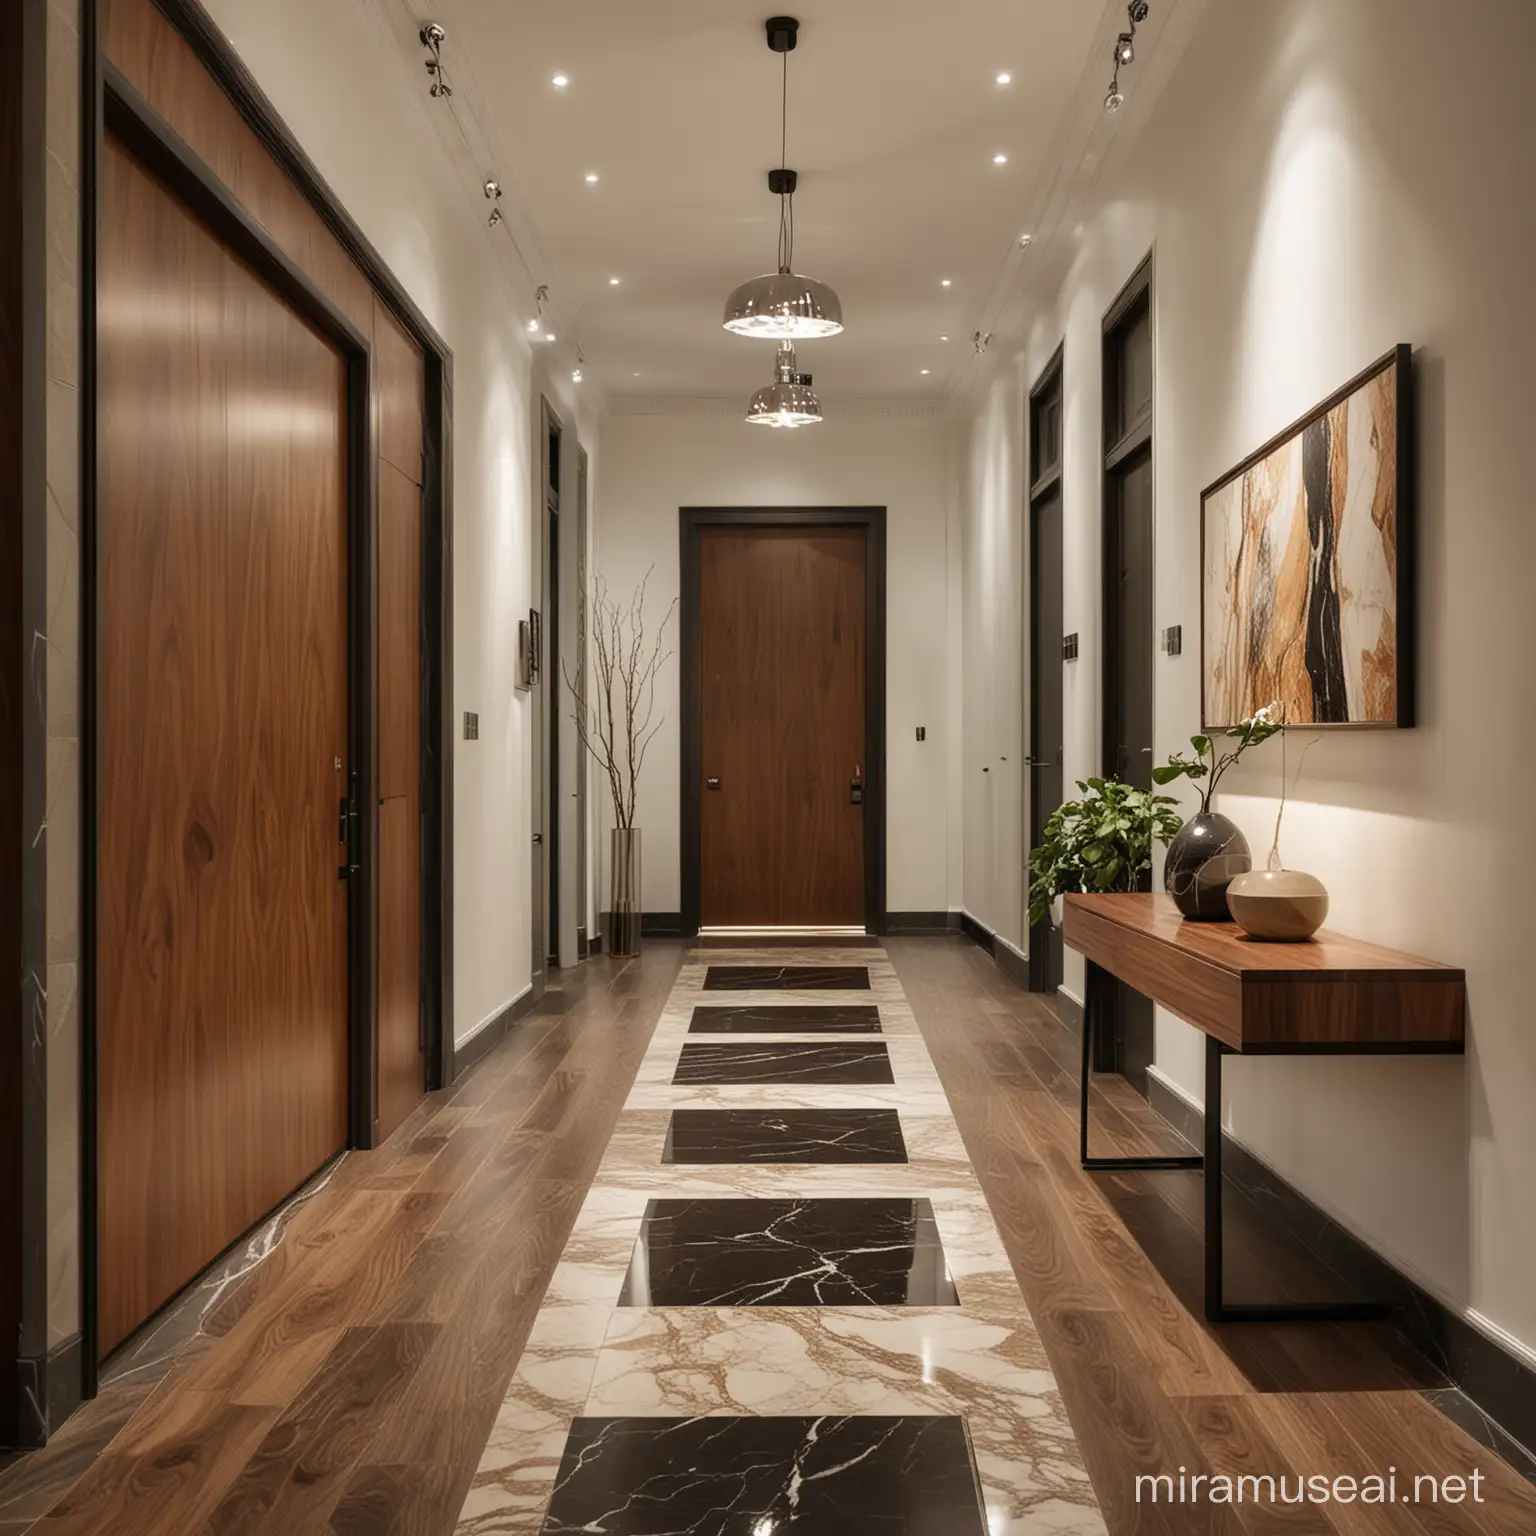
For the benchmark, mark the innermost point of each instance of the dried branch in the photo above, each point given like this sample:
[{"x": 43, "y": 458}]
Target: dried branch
[{"x": 616, "y": 704}]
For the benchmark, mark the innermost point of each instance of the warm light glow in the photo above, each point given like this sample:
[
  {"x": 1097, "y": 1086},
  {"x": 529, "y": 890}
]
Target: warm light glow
[
  {"x": 945, "y": 282},
  {"x": 576, "y": 376},
  {"x": 943, "y": 338},
  {"x": 592, "y": 178},
  {"x": 1005, "y": 78},
  {"x": 999, "y": 159},
  {"x": 533, "y": 326},
  {"x": 549, "y": 336},
  {"x": 560, "y": 82},
  {"x": 925, "y": 370},
  {"x": 613, "y": 282}
]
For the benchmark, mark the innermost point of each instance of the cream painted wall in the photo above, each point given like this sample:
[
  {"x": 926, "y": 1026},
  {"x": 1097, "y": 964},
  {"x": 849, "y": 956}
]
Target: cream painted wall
[
  {"x": 653, "y": 464},
  {"x": 356, "y": 104},
  {"x": 1321, "y": 181}
]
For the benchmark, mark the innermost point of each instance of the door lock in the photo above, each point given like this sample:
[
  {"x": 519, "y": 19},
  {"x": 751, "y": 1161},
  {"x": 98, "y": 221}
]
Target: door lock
[
  {"x": 856, "y": 787},
  {"x": 348, "y": 830},
  {"x": 711, "y": 783}
]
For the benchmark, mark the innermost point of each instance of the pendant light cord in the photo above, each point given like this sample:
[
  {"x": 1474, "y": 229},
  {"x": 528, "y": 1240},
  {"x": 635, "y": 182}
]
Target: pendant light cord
[{"x": 786, "y": 199}]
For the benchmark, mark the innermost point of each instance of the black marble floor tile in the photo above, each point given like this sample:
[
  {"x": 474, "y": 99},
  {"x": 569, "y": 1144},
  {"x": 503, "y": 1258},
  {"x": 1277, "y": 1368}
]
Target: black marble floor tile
[
  {"x": 768, "y": 1477},
  {"x": 788, "y": 1253},
  {"x": 787, "y": 978},
  {"x": 820, "y": 1061},
  {"x": 786, "y": 1019},
  {"x": 784, "y": 1136}
]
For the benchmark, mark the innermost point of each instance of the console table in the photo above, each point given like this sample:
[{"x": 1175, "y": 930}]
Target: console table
[{"x": 1327, "y": 995}]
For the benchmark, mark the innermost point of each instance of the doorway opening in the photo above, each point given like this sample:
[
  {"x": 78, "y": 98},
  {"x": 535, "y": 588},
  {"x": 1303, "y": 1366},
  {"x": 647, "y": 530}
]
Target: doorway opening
[
  {"x": 783, "y": 719},
  {"x": 1044, "y": 762},
  {"x": 1127, "y": 1046},
  {"x": 546, "y": 745}
]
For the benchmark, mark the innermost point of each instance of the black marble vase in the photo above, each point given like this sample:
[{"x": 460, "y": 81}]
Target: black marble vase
[{"x": 1206, "y": 855}]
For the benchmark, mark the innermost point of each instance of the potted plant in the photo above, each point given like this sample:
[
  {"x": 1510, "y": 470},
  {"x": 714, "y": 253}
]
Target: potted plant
[
  {"x": 616, "y": 719},
  {"x": 1101, "y": 842},
  {"x": 1210, "y": 851}
]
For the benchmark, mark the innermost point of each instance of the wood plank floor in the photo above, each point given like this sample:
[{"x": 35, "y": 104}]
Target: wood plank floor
[{"x": 349, "y": 1384}]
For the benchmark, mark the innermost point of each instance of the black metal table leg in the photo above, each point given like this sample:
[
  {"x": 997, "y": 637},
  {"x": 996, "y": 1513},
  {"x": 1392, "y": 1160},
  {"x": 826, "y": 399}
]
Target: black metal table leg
[
  {"x": 1217, "y": 1310},
  {"x": 1093, "y": 992}
]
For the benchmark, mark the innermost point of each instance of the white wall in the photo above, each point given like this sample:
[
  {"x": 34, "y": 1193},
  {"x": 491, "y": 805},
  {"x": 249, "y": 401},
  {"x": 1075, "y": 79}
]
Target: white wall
[
  {"x": 707, "y": 456},
  {"x": 356, "y": 105},
  {"x": 1321, "y": 181}
]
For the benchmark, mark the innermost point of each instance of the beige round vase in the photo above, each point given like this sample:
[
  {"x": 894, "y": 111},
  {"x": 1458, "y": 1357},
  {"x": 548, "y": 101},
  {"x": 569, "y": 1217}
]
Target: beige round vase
[{"x": 1278, "y": 903}]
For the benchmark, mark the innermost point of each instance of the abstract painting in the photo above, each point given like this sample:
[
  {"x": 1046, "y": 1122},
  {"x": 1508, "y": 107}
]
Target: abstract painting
[{"x": 1305, "y": 550}]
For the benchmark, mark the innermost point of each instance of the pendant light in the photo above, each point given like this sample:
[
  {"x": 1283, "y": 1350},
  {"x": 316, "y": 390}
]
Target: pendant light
[
  {"x": 784, "y": 305},
  {"x": 789, "y": 401}
]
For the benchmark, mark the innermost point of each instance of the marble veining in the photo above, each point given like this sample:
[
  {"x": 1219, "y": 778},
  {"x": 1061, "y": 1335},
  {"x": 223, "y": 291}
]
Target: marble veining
[
  {"x": 786, "y": 1018},
  {"x": 784, "y": 1136},
  {"x": 796, "y": 978},
  {"x": 826, "y": 1061},
  {"x": 781, "y": 1253},
  {"x": 821, "y": 1476},
  {"x": 748, "y": 1357}
]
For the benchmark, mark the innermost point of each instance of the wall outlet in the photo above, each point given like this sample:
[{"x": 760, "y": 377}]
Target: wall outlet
[{"x": 471, "y": 726}]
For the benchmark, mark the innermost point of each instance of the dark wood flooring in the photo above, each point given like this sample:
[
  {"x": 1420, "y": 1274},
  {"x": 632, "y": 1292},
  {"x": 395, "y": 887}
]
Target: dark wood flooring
[{"x": 348, "y": 1385}]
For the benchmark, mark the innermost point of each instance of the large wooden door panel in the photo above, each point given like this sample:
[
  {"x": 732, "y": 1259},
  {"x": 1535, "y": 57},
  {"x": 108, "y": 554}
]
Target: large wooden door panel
[
  {"x": 782, "y": 681},
  {"x": 223, "y": 713}
]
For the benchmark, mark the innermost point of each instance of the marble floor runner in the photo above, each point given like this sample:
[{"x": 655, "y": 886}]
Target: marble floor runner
[{"x": 879, "y": 1381}]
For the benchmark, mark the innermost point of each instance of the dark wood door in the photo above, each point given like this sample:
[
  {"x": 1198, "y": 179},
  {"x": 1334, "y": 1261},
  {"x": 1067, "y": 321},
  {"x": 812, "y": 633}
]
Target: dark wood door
[
  {"x": 222, "y": 926},
  {"x": 1045, "y": 709},
  {"x": 782, "y": 647},
  {"x": 1128, "y": 699}
]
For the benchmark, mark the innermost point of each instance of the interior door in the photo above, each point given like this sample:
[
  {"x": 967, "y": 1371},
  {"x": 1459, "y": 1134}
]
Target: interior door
[
  {"x": 782, "y": 648},
  {"x": 1128, "y": 698},
  {"x": 1045, "y": 711},
  {"x": 223, "y": 699}
]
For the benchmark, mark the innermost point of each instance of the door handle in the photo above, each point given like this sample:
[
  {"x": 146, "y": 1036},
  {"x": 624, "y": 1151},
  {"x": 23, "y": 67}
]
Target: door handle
[
  {"x": 538, "y": 839},
  {"x": 856, "y": 786},
  {"x": 347, "y": 829},
  {"x": 711, "y": 783}
]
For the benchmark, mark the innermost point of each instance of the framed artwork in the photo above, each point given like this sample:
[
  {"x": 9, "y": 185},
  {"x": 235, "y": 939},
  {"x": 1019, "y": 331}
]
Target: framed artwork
[{"x": 1306, "y": 565}]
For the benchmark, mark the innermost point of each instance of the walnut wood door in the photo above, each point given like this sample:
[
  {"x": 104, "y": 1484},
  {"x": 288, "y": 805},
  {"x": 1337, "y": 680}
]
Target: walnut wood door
[
  {"x": 782, "y": 670},
  {"x": 223, "y": 747}
]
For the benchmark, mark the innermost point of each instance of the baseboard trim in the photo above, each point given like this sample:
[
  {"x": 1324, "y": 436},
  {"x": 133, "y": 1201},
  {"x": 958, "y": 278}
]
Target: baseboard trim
[
  {"x": 918, "y": 924},
  {"x": 490, "y": 1034},
  {"x": 976, "y": 932},
  {"x": 44, "y": 1391},
  {"x": 1011, "y": 959},
  {"x": 661, "y": 925},
  {"x": 1498, "y": 1382}
]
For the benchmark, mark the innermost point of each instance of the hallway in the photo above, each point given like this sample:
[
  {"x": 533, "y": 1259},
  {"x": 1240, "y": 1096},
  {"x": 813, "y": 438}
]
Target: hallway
[{"x": 436, "y": 1332}]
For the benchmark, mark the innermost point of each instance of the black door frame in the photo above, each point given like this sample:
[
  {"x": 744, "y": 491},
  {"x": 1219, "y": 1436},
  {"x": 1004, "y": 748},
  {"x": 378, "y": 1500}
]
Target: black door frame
[
  {"x": 1119, "y": 449},
  {"x": 1044, "y": 940},
  {"x": 111, "y": 104},
  {"x": 872, "y": 519}
]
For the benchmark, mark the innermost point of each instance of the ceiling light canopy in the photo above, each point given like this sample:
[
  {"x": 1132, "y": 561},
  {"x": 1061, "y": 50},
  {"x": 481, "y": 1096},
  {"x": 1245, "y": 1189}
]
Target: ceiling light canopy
[
  {"x": 784, "y": 305},
  {"x": 789, "y": 401}
]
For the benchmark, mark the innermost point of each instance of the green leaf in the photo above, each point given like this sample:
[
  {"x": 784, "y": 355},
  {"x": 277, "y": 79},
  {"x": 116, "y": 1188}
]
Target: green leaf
[
  {"x": 1201, "y": 744},
  {"x": 1167, "y": 774}
]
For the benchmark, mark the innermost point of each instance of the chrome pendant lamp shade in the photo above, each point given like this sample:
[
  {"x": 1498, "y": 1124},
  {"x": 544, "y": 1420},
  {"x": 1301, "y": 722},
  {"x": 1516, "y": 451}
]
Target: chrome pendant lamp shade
[
  {"x": 784, "y": 305},
  {"x": 789, "y": 401}
]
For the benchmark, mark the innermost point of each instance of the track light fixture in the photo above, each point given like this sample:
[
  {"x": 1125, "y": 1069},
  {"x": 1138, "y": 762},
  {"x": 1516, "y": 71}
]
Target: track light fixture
[
  {"x": 1125, "y": 52},
  {"x": 783, "y": 304},
  {"x": 433, "y": 35},
  {"x": 493, "y": 193}
]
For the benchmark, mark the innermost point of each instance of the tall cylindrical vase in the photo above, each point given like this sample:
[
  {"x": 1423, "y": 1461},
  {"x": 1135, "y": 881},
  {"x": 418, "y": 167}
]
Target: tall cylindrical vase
[{"x": 624, "y": 891}]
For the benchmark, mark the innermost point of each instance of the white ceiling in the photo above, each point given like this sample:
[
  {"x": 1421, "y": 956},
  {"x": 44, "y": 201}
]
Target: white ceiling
[{"x": 895, "y": 117}]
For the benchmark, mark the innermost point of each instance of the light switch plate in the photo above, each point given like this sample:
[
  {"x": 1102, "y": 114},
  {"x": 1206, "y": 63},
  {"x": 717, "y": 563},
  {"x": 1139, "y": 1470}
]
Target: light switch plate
[{"x": 471, "y": 726}]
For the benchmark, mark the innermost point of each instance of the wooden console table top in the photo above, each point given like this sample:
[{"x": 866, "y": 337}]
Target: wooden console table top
[{"x": 1327, "y": 993}]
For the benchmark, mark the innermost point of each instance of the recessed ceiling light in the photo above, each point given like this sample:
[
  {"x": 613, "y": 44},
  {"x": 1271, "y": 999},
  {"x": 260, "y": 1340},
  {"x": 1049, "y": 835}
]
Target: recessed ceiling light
[
  {"x": 999, "y": 159},
  {"x": 592, "y": 178},
  {"x": 637, "y": 373},
  {"x": 613, "y": 282},
  {"x": 943, "y": 338},
  {"x": 1005, "y": 78},
  {"x": 576, "y": 376},
  {"x": 533, "y": 325},
  {"x": 549, "y": 336},
  {"x": 925, "y": 370},
  {"x": 945, "y": 282},
  {"x": 560, "y": 82}
]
